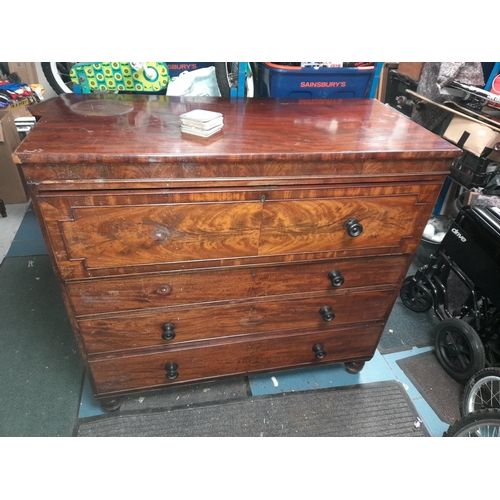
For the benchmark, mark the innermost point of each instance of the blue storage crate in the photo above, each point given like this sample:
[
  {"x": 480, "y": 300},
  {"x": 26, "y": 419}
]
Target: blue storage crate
[{"x": 307, "y": 82}]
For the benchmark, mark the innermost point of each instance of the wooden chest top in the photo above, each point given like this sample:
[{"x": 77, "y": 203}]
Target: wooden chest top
[{"x": 111, "y": 129}]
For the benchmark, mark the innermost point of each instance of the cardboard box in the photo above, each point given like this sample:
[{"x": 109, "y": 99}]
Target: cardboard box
[
  {"x": 411, "y": 69},
  {"x": 26, "y": 71},
  {"x": 19, "y": 108},
  {"x": 480, "y": 137},
  {"x": 12, "y": 185}
]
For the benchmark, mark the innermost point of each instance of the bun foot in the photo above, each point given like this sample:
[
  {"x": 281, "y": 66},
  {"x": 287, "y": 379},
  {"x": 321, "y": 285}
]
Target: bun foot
[
  {"x": 111, "y": 404},
  {"x": 354, "y": 366}
]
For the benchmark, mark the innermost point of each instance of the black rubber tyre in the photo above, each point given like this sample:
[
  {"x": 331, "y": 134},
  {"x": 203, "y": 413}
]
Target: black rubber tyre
[
  {"x": 415, "y": 295},
  {"x": 226, "y": 74},
  {"x": 57, "y": 74},
  {"x": 483, "y": 423},
  {"x": 482, "y": 391},
  {"x": 458, "y": 348}
]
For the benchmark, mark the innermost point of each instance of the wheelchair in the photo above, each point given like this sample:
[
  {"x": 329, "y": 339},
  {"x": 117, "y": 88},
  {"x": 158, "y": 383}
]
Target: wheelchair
[{"x": 467, "y": 338}]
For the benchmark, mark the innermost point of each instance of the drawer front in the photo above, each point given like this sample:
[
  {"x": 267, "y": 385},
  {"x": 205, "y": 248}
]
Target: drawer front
[
  {"x": 175, "y": 289},
  {"x": 174, "y": 326},
  {"x": 236, "y": 358},
  {"x": 115, "y": 235}
]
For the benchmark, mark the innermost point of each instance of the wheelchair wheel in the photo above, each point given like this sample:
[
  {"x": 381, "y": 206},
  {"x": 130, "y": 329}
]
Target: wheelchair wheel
[
  {"x": 483, "y": 423},
  {"x": 415, "y": 295},
  {"x": 482, "y": 391},
  {"x": 458, "y": 348}
]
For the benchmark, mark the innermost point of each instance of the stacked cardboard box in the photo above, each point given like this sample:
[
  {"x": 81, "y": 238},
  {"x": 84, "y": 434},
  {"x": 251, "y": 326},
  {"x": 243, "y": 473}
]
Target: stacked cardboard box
[{"x": 25, "y": 70}]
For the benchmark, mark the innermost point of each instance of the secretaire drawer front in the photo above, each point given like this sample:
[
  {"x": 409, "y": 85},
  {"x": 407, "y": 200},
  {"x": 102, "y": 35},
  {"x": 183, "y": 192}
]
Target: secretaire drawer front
[
  {"x": 235, "y": 358},
  {"x": 98, "y": 235},
  {"x": 177, "y": 325},
  {"x": 180, "y": 288},
  {"x": 114, "y": 237},
  {"x": 298, "y": 226}
]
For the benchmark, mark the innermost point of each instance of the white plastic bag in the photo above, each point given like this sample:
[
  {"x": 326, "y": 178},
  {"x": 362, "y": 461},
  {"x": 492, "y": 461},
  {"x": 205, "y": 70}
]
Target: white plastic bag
[{"x": 200, "y": 82}]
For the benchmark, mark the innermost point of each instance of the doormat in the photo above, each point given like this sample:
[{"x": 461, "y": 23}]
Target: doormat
[
  {"x": 370, "y": 410},
  {"x": 442, "y": 392}
]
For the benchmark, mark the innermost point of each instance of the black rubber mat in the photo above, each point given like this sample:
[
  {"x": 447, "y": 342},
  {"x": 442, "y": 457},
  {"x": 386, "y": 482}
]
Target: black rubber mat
[
  {"x": 442, "y": 392},
  {"x": 380, "y": 409}
]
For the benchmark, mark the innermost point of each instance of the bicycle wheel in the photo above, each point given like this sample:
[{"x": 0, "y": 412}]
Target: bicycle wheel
[
  {"x": 483, "y": 423},
  {"x": 482, "y": 391},
  {"x": 458, "y": 348},
  {"x": 226, "y": 74},
  {"x": 57, "y": 74}
]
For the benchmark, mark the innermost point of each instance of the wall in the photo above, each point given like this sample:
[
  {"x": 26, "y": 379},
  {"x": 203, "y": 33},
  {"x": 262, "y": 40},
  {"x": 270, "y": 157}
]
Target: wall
[{"x": 49, "y": 92}]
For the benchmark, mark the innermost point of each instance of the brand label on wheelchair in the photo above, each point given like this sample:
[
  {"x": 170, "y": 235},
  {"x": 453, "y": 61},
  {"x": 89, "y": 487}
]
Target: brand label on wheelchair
[{"x": 459, "y": 235}]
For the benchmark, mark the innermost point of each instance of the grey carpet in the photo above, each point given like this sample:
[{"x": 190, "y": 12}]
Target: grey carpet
[
  {"x": 28, "y": 240},
  {"x": 406, "y": 329},
  {"x": 380, "y": 409},
  {"x": 442, "y": 392},
  {"x": 41, "y": 371}
]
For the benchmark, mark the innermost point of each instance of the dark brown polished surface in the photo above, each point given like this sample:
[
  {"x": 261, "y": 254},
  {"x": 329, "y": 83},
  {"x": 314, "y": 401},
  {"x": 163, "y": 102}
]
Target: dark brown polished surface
[
  {"x": 89, "y": 128},
  {"x": 280, "y": 242}
]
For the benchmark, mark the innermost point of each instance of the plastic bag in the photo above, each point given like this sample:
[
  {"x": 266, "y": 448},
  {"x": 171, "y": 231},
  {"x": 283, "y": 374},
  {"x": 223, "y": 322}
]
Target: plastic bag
[{"x": 200, "y": 82}]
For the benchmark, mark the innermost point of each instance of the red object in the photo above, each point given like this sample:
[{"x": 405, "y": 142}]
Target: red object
[
  {"x": 495, "y": 89},
  {"x": 495, "y": 86}
]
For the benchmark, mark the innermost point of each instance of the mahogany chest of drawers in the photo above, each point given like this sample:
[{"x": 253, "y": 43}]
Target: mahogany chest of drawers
[{"x": 279, "y": 242}]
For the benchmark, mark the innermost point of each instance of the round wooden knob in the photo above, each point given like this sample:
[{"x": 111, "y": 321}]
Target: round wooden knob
[
  {"x": 327, "y": 313},
  {"x": 353, "y": 227},
  {"x": 336, "y": 278},
  {"x": 168, "y": 331},
  {"x": 319, "y": 351},
  {"x": 172, "y": 372}
]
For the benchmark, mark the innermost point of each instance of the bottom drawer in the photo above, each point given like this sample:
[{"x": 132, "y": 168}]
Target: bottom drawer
[{"x": 214, "y": 360}]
